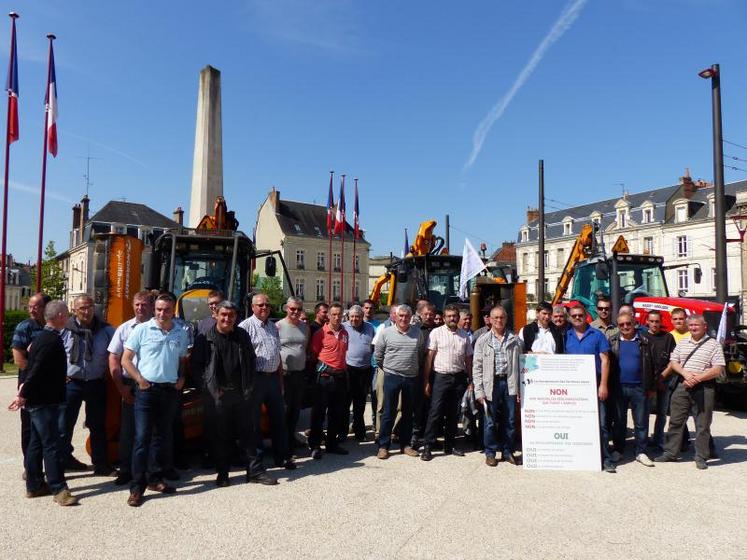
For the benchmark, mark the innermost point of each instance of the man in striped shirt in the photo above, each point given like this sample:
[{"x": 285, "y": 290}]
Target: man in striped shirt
[
  {"x": 450, "y": 358},
  {"x": 698, "y": 361}
]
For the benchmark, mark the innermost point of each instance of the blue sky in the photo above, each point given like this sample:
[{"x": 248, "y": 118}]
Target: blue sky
[{"x": 390, "y": 92}]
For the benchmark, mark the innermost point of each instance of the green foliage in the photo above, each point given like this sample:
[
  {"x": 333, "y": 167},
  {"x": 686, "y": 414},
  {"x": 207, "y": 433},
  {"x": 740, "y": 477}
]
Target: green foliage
[
  {"x": 53, "y": 279},
  {"x": 12, "y": 318},
  {"x": 273, "y": 289}
]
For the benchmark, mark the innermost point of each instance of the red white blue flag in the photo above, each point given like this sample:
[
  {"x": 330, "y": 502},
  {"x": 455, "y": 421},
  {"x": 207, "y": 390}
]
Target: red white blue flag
[
  {"x": 340, "y": 216},
  {"x": 51, "y": 106},
  {"x": 357, "y": 230},
  {"x": 11, "y": 85},
  {"x": 330, "y": 204}
]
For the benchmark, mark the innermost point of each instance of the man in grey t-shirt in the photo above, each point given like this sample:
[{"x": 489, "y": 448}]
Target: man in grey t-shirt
[{"x": 294, "y": 340}]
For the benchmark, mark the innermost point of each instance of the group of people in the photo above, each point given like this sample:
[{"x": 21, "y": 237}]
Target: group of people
[{"x": 416, "y": 372}]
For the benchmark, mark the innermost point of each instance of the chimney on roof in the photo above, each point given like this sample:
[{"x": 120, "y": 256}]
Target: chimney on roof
[
  {"x": 274, "y": 197},
  {"x": 689, "y": 188},
  {"x": 76, "y": 216},
  {"x": 532, "y": 215},
  {"x": 83, "y": 214},
  {"x": 179, "y": 215}
]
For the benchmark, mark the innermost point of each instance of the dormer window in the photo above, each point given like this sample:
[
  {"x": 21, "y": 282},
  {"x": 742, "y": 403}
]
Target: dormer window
[
  {"x": 647, "y": 213},
  {"x": 568, "y": 226},
  {"x": 680, "y": 213},
  {"x": 524, "y": 235},
  {"x": 622, "y": 218}
]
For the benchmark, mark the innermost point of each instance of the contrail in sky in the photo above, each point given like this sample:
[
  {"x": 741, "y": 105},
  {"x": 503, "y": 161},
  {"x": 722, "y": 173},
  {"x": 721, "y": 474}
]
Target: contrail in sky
[
  {"x": 566, "y": 19},
  {"x": 36, "y": 190}
]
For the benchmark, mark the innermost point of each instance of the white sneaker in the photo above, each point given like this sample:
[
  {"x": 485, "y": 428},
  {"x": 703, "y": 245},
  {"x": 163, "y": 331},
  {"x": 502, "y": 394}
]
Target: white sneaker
[
  {"x": 644, "y": 460},
  {"x": 616, "y": 456}
]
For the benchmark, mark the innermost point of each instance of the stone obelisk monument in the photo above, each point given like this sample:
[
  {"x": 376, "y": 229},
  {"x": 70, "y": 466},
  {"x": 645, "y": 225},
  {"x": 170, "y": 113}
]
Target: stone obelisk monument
[{"x": 207, "y": 168}]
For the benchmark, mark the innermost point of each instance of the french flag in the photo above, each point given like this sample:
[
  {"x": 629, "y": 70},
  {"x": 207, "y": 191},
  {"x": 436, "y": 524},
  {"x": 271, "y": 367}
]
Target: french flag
[
  {"x": 12, "y": 86},
  {"x": 356, "y": 226},
  {"x": 340, "y": 216},
  {"x": 330, "y": 204},
  {"x": 51, "y": 106}
]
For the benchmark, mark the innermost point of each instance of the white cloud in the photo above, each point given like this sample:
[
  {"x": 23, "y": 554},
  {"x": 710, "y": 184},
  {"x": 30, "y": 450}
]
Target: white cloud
[{"x": 564, "y": 22}]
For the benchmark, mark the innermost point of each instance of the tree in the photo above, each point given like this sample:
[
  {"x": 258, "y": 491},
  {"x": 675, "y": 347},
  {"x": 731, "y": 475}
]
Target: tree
[
  {"x": 271, "y": 287},
  {"x": 53, "y": 279}
]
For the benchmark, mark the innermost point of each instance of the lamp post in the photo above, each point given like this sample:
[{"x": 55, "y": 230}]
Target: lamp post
[{"x": 714, "y": 74}]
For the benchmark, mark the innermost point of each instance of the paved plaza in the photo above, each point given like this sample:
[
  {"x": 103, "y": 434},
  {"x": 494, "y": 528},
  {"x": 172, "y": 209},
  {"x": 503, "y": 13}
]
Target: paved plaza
[{"x": 361, "y": 507}]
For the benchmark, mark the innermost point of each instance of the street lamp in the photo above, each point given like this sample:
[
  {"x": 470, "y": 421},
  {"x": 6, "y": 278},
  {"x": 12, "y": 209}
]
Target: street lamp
[{"x": 714, "y": 74}]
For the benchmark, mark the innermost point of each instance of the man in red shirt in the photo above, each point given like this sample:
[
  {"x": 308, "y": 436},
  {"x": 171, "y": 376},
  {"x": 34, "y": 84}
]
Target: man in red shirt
[{"x": 328, "y": 347}]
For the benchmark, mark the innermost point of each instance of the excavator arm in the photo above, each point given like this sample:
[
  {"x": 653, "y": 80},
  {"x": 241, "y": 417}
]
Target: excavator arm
[{"x": 578, "y": 253}]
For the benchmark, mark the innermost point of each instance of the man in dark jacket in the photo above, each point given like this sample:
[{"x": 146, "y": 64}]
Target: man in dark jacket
[
  {"x": 542, "y": 336},
  {"x": 42, "y": 393},
  {"x": 634, "y": 381},
  {"x": 662, "y": 345},
  {"x": 223, "y": 358}
]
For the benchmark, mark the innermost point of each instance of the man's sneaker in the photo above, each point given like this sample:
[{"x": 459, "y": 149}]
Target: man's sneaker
[
  {"x": 644, "y": 460},
  {"x": 261, "y": 478},
  {"x": 73, "y": 465},
  {"x": 616, "y": 456},
  {"x": 383, "y": 453},
  {"x": 453, "y": 451},
  {"x": 609, "y": 467},
  {"x": 161, "y": 487},
  {"x": 700, "y": 464},
  {"x": 122, "y": 479},
  {"x": 410, "y": 452},
  {"x": 290, "y": 464},
  {"x": 135, "y": 498},
  {"x": 65, "y": 498},
  {"x": 491, "y": 461},
  {"x": 104, "y": 470},
  {"x": 221, "y": 480},
  {"x": 316, "y": 453},
  {"x": 664, "y": 458},
  {"x": 426, "y": 455},
  {"x": 43, "y": 490},
  {"x": 511, "y": 458}
]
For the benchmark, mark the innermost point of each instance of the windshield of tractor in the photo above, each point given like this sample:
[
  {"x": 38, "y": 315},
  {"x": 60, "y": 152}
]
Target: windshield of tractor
[
  {"x": 636, "y": 280},
  {"x": 443, "y": 286},
  {"x": 207, "y": 271}
]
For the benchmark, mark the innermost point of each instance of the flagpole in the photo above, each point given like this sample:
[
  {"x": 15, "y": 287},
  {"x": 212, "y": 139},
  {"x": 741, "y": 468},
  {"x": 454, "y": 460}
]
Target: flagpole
[
  {"x": 355, "y": 217},
  {"x": 329, "y": 236},
  {"x": 342, "y": 244},
  {"x": 44, "y": 174},
  {"x": 4, "y": 248}
]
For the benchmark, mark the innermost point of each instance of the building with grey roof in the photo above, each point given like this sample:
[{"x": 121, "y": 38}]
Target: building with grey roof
[
  {"x": 675, "y": 222},
  {"x": 299, "y": 231}
]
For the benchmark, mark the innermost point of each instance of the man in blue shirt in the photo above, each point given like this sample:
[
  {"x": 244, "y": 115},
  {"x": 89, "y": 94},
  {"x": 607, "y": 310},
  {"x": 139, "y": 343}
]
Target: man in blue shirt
[
  {"x": 161, "y": 350},
  {"x": 358, "y": 360},
  {"x": 86, "y": 339},
  {"x": 584, "y": 339},
  {"x": 633, "y": 375}
]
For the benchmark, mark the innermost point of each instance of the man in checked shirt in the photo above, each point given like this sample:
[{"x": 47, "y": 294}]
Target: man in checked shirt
[{"x": 267, "y": 390}]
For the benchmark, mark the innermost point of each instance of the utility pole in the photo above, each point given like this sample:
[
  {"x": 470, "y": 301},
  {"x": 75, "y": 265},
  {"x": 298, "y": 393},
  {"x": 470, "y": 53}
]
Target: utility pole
[
  {"x": 448, "y": 250},
  {"x": 722, "y": 289},
  {"x": 541, "y": 231}
]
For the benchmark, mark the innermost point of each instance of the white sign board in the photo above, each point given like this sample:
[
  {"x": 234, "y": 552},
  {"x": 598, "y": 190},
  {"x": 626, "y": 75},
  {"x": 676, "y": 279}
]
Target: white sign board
[{"x": 559, "y": 415}]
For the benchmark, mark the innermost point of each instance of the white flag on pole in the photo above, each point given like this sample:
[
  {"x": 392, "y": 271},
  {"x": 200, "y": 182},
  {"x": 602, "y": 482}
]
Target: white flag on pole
[
  {"x": 721, "y": 334},
  {"x": 472, "y": 265}
]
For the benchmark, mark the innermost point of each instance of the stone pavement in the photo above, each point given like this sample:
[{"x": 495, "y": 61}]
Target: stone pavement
[{"x": 361, "y": 507}]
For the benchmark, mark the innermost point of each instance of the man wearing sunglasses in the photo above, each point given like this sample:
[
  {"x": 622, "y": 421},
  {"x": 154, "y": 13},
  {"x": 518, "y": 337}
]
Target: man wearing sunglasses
[
  {"x": 582, "y": 338},
  {"x": 215, "y": 297},
  {"x": 604, "y": 321},
  {"x": 294, "y": 340},
  {"x": 633, "y": 381}
]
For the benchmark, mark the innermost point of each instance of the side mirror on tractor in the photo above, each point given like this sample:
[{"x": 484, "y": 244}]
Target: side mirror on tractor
[{"x": 271, "y": 266}]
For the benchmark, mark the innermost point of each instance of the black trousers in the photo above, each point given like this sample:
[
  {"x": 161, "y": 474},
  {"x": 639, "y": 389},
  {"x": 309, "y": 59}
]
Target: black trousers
[
  {"x": 448, "y": 390},
  {"x": 360, "y": 385},
  {"x": 294, "y": 384},
  {"x": 266, "y": 391},
  {"x": 421, "y": 406},
  {"x": 230, "y": 422},
  {"x": 330, "y": 401}
]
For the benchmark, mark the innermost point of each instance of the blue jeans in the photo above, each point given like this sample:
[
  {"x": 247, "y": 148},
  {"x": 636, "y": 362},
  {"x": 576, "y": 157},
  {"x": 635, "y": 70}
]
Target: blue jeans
[
  {"x": 394, "y": 385},
  {"x": 93, "y": 393},
  {"x": 605, "y": 409},
  {"x": 501, "y": 420},
  {"x": 633, "y": 397},
  {"x": 154, "y": 408},
  {"x": 43, "y": 444}
]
